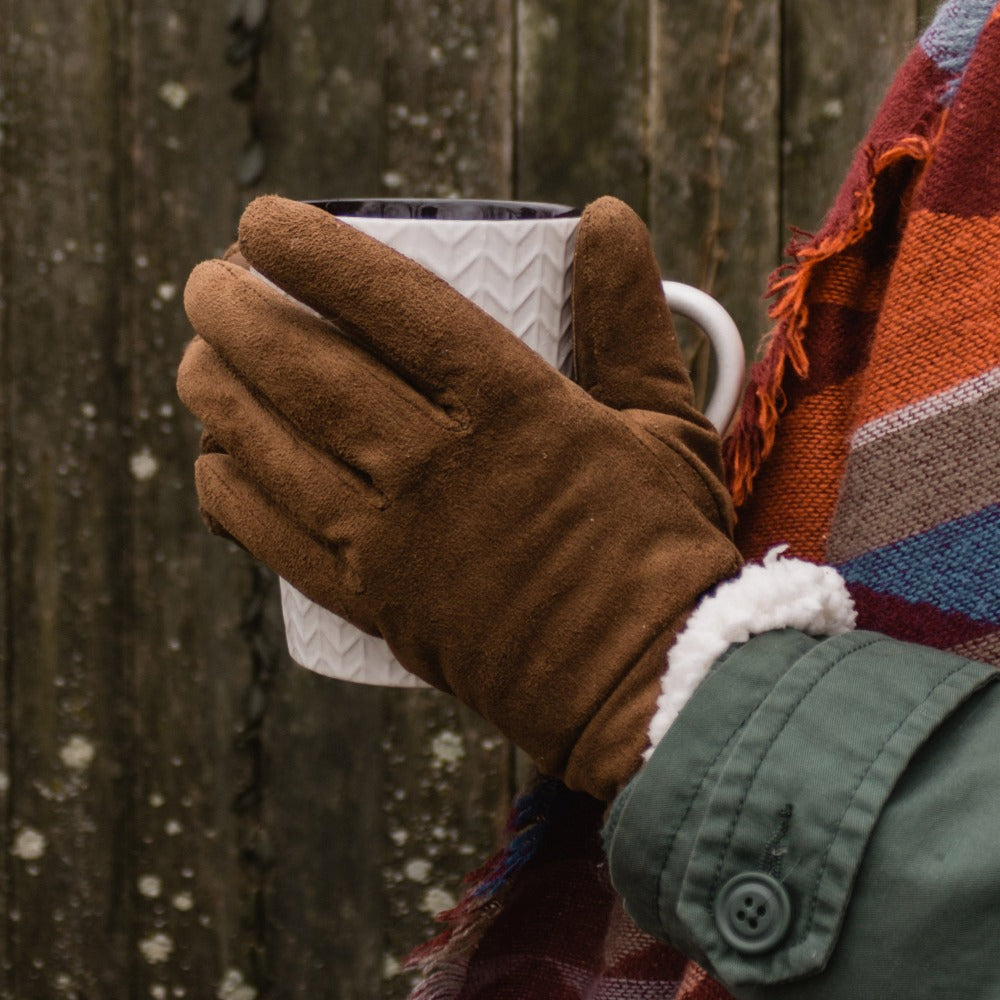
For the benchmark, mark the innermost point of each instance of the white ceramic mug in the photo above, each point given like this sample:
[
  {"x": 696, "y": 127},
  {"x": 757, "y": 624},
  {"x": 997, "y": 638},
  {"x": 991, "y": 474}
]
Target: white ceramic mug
[{"x": 514, "y": 260}]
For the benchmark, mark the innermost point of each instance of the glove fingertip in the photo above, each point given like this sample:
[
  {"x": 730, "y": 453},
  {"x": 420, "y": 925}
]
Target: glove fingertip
[
  {"x": 203, "y": 291},
  {"x": 272, "y": 225},
  {"x": 197, "y": 375},
  {"x": 609, "y": 226}
]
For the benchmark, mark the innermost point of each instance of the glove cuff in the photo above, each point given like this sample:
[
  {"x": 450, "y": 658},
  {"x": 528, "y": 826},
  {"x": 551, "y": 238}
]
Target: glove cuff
[{"x": 780, "y": 592}]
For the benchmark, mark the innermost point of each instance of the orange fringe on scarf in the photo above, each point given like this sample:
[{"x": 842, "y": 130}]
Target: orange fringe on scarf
[{"x": 753, "y": 435}]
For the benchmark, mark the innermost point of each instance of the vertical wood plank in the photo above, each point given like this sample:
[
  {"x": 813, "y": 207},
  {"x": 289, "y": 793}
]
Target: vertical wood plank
[
  {"x": 66, "y": 506},
  {"x": 446, "y": 779},
  {"x": 309, "y": 814},
  {"x": 582, "y": 78},
  {"x": 715, "y": 131},
  {"x": 321, "y": 98},
  {"x": 447, "y": 791},
  {"x": 830, "y": 97},
  {"x": 324, "y": 904},
  {"x": 449, "y": 98},
  {"x": 316, "y": 795},
  {"x": 6, "y": 625},
  {"x": 193, "y": 926},
  {"x": 375, "y": 803}
]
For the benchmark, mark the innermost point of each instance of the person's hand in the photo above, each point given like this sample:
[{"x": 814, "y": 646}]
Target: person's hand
[{"x": 529, "y": 544}]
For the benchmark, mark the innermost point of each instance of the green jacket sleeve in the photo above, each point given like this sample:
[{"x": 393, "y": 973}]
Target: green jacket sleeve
[{"x": 823, "y": 820}]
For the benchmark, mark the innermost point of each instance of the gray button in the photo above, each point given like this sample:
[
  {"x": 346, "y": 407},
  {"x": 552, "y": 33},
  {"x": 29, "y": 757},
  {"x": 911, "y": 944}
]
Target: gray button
[{"x": 753, "y": 912}]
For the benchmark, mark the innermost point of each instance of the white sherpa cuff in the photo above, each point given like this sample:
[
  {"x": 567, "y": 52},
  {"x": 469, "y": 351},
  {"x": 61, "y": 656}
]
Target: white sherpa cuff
[{"x": 778, "y": 593}]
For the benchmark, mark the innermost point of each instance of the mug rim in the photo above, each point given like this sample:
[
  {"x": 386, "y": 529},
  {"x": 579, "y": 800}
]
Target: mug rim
[{"x": 445, "y": 209}]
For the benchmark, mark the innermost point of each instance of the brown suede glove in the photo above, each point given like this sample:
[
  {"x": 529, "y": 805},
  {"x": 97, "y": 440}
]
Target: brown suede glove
[{"x": 526, "y": 543}]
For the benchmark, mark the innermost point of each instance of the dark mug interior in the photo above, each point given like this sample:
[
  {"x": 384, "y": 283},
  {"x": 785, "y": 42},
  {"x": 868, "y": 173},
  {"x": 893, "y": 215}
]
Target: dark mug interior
[{"x": 462, "y": 209}]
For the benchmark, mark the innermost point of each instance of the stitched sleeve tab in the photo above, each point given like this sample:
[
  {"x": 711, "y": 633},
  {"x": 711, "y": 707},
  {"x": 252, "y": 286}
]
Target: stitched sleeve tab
[{"x": 764, "y": 883}]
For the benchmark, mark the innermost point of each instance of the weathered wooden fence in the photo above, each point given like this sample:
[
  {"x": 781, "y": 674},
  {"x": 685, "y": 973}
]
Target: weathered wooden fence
[{"x": 183, "y": 813}]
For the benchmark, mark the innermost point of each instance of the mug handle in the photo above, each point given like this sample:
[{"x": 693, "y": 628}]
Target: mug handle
[{"x": 702, "y": 309}]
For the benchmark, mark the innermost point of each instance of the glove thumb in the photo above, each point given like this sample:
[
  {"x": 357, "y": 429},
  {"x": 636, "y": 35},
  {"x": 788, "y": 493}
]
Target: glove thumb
[{"x": 625, "y": 348}]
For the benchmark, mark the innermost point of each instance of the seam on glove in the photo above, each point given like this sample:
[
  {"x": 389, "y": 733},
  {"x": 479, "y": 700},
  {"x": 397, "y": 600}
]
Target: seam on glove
[{"x": 780, "y": 592}]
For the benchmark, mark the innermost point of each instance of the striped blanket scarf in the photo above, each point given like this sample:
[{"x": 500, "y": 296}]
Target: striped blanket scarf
[{"x": 869, "y": 438}]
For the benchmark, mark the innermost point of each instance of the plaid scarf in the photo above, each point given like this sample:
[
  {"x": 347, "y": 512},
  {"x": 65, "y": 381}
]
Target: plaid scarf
[{"x": 869, "y": 438}]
